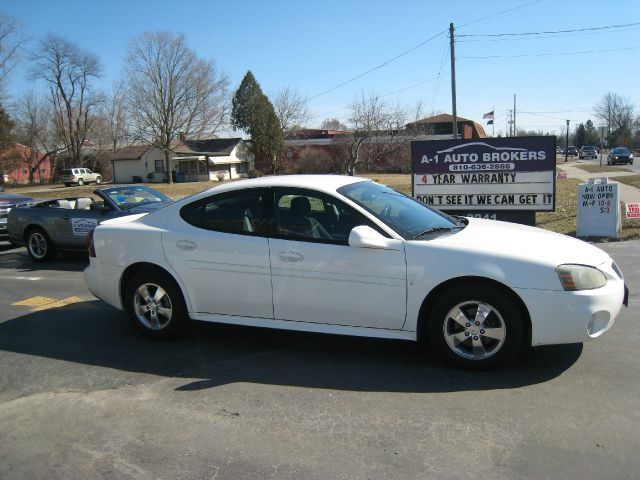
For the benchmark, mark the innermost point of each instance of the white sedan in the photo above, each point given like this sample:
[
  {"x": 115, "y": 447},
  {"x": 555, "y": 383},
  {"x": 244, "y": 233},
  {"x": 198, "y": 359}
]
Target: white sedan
[{"x": 346, "y": 255}]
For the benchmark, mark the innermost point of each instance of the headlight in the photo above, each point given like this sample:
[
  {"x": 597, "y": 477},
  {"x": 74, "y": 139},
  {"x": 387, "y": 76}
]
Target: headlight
[{"x": 580, "y": 277}]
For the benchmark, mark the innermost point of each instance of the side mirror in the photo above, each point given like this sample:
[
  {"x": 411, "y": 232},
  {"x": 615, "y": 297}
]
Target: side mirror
[{"x": 363, "y": 236}]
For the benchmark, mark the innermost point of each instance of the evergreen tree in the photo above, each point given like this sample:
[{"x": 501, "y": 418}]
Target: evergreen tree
[
  {"x": 7, "y": 139},
  {"x": 591, "y": 135},
  {"x": 580, "y": 136},
  {"x": 253, "y": 112}
]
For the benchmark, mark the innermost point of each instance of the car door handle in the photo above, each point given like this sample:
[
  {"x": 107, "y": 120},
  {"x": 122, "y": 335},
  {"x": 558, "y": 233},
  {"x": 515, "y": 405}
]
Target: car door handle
[
  {"x": 186, "y": 245},
  {"x": 290, "y": 256},
  {"x": 66, "y": 217}
]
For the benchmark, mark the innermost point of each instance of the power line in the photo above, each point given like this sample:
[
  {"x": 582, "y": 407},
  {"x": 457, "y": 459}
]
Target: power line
[
  {"x": 552, "y": 54},
  {"x": 586, "y": 29},
  {"x": 380, "y": 66},
  {"x": 387, "y": 62},
  {"x": 410, "y": 86},
  {"x": 499, "y": 13},
  {"x": 540, "y": 37}
]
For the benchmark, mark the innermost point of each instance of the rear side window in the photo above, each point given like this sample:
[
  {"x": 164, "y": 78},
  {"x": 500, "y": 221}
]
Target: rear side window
[{"x": 236, "y": 212}]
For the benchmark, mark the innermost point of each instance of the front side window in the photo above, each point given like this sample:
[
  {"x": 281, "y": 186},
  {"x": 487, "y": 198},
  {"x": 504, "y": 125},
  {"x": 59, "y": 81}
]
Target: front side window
[
  {"x": 314, "y": 216},
  {"x": 236, "y": 212}
]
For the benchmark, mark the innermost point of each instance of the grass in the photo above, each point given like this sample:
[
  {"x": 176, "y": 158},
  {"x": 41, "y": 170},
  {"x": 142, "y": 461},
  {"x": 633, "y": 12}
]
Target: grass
[
  {"x": 599, "y": 169},
  {"x": 563, "y": 220},
  {"x": 633, "y": 180}
]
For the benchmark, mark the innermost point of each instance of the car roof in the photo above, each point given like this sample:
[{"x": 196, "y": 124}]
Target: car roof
[{"x": 322, "y": 183}]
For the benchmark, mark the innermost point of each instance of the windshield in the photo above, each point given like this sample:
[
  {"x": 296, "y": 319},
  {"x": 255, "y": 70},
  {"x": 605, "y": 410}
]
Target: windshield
[
  {"x": 130, "y": 197},
  {"x": 407, "y": 216},
  {"x": 619, "y": 151}
]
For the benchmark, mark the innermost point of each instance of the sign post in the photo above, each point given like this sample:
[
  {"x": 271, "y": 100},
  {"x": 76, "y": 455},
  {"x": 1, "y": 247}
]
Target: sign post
[
  {"x": 498, "y": 178},
  {"x": 598, "y": 209}
]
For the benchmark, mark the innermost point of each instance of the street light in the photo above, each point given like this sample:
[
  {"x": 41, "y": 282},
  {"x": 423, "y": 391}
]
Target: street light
[{"x": 566, "y": 150}]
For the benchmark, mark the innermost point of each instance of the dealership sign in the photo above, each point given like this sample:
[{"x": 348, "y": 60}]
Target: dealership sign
[
  {"x": 598, "y": 209},
  {"x": 489, "y": 174}
]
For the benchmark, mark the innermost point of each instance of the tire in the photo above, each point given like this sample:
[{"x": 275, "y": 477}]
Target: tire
[
  {"x": 67, "y": 184},
  {"x": 163, "y": 315},
  {"x": 455, "y": 327},
  {"x": 80, "y": 182},
  {"x": 98, "y": 180},
  {"x": 39, "y": 245}
]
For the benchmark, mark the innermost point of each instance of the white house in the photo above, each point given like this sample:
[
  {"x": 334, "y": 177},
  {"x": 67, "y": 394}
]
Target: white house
[{"x": 191, "y": 161}]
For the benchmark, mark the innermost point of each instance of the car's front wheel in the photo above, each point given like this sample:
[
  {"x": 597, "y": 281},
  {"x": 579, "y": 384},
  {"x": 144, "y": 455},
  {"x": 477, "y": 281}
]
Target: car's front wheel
[
  {"x": 98, "y": 180},
  {"x": 155, "y": 305},
  {"x": 475, "y": 327},
  {"x": 39, "y": 245}
]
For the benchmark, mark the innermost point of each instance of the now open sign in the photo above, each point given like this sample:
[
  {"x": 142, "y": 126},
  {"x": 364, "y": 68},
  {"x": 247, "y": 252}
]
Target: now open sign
[{"x": 599, "y": 209}]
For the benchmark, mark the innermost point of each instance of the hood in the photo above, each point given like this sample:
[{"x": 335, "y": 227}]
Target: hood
[
  {"x": 14, "y": 198},
  {"x": 524, "y": 242}
]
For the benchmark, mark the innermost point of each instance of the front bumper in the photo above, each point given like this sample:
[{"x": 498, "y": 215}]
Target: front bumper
[{"x": 573, "y": 317}]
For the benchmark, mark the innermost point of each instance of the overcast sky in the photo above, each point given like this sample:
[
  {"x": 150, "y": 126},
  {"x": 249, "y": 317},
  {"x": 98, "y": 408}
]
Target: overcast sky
[{"x": 315, "y": 46}]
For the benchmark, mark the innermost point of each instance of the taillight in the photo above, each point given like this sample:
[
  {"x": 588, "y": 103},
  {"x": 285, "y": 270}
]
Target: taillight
[{"x": 90, "y": 246}]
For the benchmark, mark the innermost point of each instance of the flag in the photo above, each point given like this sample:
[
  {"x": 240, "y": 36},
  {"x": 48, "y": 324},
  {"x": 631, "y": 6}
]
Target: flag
[
  {"x": 488, "y": 115},
  {"x": 490, "y": 122}
]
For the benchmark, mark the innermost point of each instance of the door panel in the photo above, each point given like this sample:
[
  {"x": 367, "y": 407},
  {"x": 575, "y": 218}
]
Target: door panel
[
  {"x": 225, "y": 273},
  {"x": 338, "y": 284}
]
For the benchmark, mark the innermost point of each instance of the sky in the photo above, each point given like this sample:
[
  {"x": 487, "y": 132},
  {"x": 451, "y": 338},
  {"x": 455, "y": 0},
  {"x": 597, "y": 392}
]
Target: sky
[{"x": 313, "y": 47}]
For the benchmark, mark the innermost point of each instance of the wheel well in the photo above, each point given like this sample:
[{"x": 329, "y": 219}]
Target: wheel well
[
  {"x": 30, "y": 229},
  {"x": 136, "y": 268},
  {"x": 427, "y": 303}
]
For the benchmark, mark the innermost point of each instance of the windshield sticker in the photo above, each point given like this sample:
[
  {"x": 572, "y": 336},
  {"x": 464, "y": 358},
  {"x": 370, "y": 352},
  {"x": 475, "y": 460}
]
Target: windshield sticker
[{"x": 82, "y": 226}]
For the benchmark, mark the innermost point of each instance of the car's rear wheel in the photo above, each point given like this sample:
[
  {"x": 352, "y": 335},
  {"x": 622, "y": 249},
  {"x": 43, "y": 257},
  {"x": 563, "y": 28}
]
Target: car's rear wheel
[
  {"x": 80, "y": 182},
  {"x": 155, "y": 305},
  {"x": 67, "y": 184},
  {"x": 475, "y": 327},
  {"x": 98, "y": 180},
  {"x": 39, "y": 245}
]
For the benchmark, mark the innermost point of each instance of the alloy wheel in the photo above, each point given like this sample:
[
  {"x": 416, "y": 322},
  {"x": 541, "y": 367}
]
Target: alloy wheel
[
  {"x": 152, "y": 306},
  {"x": 474, "y": 330}
]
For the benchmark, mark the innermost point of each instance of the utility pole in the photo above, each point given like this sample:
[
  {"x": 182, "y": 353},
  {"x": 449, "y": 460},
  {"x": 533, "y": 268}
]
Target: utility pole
[
  {"x": 515, "y": 132},
  {"x": 453, "y": 82}
]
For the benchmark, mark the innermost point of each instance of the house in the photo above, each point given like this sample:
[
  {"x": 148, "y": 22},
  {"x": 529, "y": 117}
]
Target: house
[
  {"x": 14, "y": 165},
  {"x": 191, "y": 161},
  {"x": 443, "y": 125}
]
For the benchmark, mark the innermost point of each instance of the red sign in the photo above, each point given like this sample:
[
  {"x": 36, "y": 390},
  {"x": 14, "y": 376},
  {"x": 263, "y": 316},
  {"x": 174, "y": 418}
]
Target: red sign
[{"x": 633, "y": 210}]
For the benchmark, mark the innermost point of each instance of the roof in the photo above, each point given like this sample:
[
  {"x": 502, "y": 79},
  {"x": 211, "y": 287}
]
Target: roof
[
  {"x": 441, "y": 118},
  {"x": 446, "y": 118},
  {"x": 211, "y": 147},
  {"x": 322, "y": 183},
  {"x": 133, "y": 152}
]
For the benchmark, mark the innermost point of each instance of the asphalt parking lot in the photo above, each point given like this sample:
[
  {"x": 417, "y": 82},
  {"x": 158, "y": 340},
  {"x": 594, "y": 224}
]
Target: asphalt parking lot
[{"x": 82, "y": 395}]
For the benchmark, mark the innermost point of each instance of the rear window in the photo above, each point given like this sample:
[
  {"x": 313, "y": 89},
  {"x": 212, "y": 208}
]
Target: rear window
[{"x": 67, "y": 172}]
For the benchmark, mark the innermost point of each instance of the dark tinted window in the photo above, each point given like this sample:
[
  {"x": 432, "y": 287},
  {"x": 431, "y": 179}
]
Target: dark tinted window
[
  {"x": 313, "y": 216},
  {"x": 236, "y": 212}
]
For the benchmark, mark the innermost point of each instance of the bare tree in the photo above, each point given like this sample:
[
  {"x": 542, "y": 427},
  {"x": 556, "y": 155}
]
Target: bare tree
[
  {"x": 292, "y": 109},
  {"x": 333, "y": 124},
  {"x": 112, "y": 117},
  {"x": 69, "y": 72},
  {"x": 617, "y": 112},
  {"x": 376, "y": 131},
  {"x": 36, "y": 129},
  {"x": 170, "y": 91},
  {"x": 11, "y": 42}
]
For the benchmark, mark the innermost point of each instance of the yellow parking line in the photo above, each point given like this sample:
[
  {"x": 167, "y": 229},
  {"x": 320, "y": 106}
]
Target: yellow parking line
[
  {"x": 45, "y": 303},
  {"x": 35, "y": 302},
  {"x": 61, "y": 303}
]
